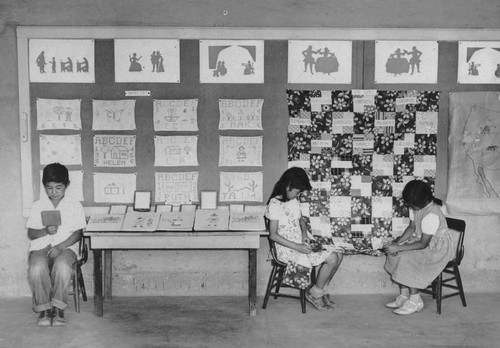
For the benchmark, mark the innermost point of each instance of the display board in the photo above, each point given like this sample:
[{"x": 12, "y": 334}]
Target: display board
[{"x": 209, "y": 167}]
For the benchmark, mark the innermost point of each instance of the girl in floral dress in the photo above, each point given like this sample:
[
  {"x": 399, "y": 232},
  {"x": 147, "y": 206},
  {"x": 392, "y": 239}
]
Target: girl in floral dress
[
  {"x": 289, "y": 232},
  {"x": 416, "y": 258}
]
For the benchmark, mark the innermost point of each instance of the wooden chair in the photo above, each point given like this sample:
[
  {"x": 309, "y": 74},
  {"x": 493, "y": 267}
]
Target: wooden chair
[
  {"x": 451, "y": 270},
  {"x": 77, "y": 284},
  {"x": 276, "y": 280}
]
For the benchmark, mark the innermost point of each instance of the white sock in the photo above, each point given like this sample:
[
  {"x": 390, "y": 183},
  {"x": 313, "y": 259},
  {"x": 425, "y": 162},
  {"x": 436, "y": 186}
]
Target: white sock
[
  {"x": 405, "y": 292},
  {"x": 416, "y": 298}
]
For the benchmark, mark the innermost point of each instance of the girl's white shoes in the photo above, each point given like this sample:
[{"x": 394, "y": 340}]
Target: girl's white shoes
[
  {"x": 410, "y": 307},
  {"x": 400, "y": 300},
  {"x": 404, "y": 306}
]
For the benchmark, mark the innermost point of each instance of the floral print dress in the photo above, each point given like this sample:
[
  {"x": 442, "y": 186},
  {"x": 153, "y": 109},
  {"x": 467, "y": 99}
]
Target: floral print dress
[{"x": 288, "y": 214}]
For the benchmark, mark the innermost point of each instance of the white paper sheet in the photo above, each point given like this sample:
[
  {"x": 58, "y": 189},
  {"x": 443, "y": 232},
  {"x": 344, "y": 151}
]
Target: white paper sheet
[
  {"x": 319, "y": 61},
  {"x": 65, "y": 149},
  {"x": 176, "y": 187},
  {"x": 114, "y": 151},
  {"x": 147, "y": 60},
  {"x": 175, "y": 115},
  {"x": 240, "y": 151},
  {"x": 175, "y": 151},
  {"x": 240, "y": 114},
  {"x": 479, "y": 62},
  {"x": 113, "y": 114},
  {"x": 241, "y": 186},
  {"x": 58, "y": 114},
  {"x": 232, "y": 61},
  {"x": 61, "y": 61},
  {"x": 114, "y": 187},
  {"x": 406, "y": 61}
]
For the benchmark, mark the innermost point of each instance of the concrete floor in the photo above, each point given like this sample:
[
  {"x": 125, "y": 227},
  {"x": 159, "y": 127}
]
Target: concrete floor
[{"x": 360, "y": 321}]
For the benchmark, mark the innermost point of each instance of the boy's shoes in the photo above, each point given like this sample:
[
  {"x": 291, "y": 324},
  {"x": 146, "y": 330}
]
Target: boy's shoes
[
  {"x": 58, "y": 319},
  {"x": 410, "y": 307},
  {"x": 44, "y": 319},
  {"x": 400, "y": 300}
]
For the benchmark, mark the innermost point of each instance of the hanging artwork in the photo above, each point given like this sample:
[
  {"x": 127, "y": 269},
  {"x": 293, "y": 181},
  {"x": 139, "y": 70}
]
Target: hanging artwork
[
  {"x": 114, "y": 151},
  {"x": 58, "y": 114},
  {"x": 147, "y": 60},
  {"x": 75, "y": 189},
  {"x": 241, "y": 186},
  {"x": 406, "y": 61},
  {"x": 114, "y": 187},
  {"x": 174, "y": 151},
  {"x": 113, "y": 114},
  {"x": 175, "y": 115},
  {"x": 231, "y": 61},
  {"x": 66, "y": 149},
  {"x": 360, "y": 148},
  {"x": 240, "y": 151},
  {"x": 479, "y": 62},
  {"x": 61, "y": 61},
  {"x": 176, "y": 187},
  {"x": 474, "y": 153},
  {"x": 320, "y": 61},
  {"x": 240, "y": 114}
]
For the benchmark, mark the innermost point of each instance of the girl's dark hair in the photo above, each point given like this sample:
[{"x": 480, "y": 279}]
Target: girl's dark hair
[
  {"x": 295, "y": 178},
  {"x": 419, "y": 194},
  {"x": 55, "y": 172}
]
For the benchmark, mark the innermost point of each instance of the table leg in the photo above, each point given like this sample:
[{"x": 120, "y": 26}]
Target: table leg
[
  {"x": 252, "y": 281},
  {"x": 108, "y": 274},
  {"x": 98, "y": 300}
]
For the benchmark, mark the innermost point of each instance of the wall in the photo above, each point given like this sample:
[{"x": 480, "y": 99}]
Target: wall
[{"x": 224, "y": 273}]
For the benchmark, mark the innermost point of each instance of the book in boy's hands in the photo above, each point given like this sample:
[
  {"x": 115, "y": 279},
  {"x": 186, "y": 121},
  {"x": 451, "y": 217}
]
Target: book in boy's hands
[{"x": 51, "y": 218}]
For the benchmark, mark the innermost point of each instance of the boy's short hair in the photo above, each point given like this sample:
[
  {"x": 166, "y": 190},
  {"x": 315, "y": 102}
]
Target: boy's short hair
[{"x": 55, "y": 172}]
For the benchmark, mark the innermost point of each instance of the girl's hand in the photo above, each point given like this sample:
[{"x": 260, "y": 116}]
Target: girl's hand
[
  {"x": 54, "y": 251},
  {"x": 51, "y": 229},
  {"x": 305, "y": 239},
  {"x": 304, "y": 248}
]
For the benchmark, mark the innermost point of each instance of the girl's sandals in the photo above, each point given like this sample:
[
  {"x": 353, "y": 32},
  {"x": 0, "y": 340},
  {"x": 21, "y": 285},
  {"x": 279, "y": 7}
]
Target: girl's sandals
[
  {"x": 316, "y": 302},
  {"x": 328, "y": 302}
]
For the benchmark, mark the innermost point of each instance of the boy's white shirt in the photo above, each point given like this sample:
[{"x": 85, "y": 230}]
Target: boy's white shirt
[{"x": 72, "y": 219}]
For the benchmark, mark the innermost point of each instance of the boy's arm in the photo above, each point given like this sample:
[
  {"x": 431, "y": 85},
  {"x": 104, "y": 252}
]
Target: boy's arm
[{"x": 34, "y": 233}]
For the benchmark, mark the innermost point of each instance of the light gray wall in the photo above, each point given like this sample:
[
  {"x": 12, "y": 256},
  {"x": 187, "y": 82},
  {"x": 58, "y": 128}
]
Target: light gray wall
[{"x": 213, "y": 272}]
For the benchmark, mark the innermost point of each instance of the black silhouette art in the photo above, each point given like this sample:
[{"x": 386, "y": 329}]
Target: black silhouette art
[
  {"x": 134, "y": 63},
  {"x": 248, "y": 68},
  {"x": 327, "y": 63},
  {"x": 397, "y": 64},
  {"x": 82, "y": 66},
  {"x": 221, "y": 69},
  {"x": 415, "y": 59},
  {"x": 40, "y": 62},
  {"x": 67, "y": 66},
  {"x": 473, "y": 69},
  {"x": 497, "y": 72},
  {"x": 309, "y": 59},
  {"x": 53, "y": 64},
  {"x": 157, "y": 62}
]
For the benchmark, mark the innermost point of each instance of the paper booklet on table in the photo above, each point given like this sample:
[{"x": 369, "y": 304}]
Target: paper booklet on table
[
  {"x": 246, "y": 221},
  {"x": 211, "y": 220},
  {"x": 136, "y": 221},
  {"x": 176, "y": 221},
  {"x": 105, "y": 222}
]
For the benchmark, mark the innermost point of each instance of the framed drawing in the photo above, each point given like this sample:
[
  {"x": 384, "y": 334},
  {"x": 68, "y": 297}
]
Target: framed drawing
[
  {"x": 142, "y": 200},
  {"x": 208, "y": 200},
  {"x": 478, "y": 62}
]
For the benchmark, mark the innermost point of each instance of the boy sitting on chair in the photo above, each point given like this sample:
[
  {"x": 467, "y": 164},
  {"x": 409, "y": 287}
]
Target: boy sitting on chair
[{"x": 53, "y": 249}]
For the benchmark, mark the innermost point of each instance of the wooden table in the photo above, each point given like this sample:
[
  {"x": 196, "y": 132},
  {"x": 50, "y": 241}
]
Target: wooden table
[{"x": 226, "y": 240}]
